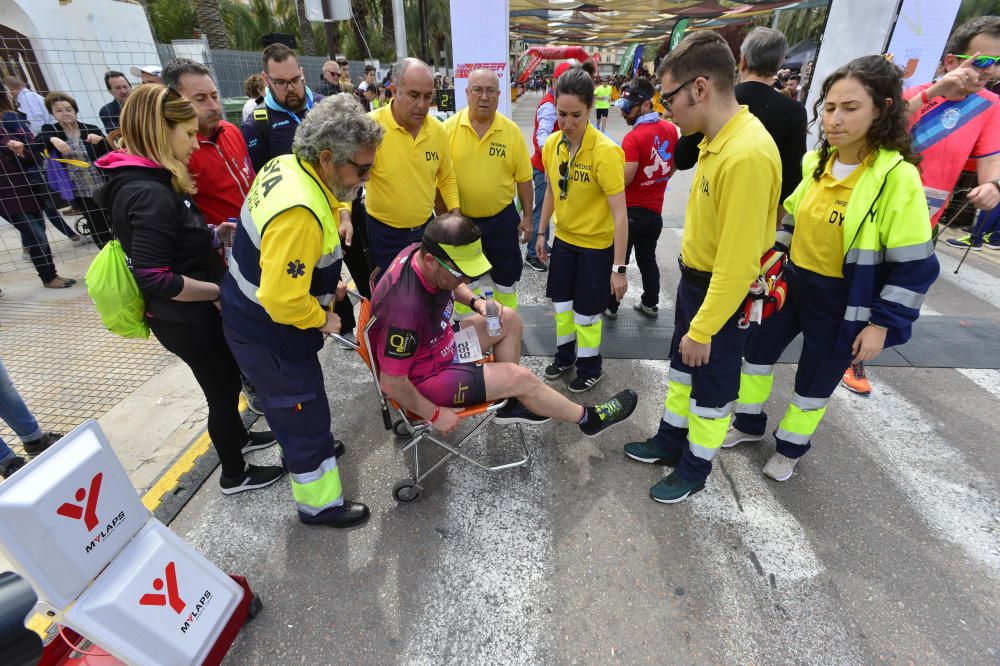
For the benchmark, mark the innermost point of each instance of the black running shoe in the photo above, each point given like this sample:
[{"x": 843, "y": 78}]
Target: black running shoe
[
  {"x": 580, "y": 385},
  {"x": 36, "y": 446},
  {"x": 555, "y": 371},
  {"x": 254, "y": 403},
  {"x": 259, "y": 440},
  {"x": 611, "y": 413},
  {"x": 515, "y": 412},
  {"x": 11, "y": 465},
  {"x": 253, "y": 477},
  {"x": 536, "y": 264}
]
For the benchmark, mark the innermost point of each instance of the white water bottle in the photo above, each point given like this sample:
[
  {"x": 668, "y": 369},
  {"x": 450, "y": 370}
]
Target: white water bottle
[{"x": 492, "y": 315}]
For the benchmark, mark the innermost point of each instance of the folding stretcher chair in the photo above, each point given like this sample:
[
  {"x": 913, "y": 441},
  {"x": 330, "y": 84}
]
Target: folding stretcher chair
[{"x": 409, "y": 425}]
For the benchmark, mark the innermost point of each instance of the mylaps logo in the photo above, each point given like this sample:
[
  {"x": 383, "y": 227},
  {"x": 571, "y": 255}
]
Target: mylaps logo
[
  {"x": 86, "y": 511},
  {"x": 172, "y": 596}
]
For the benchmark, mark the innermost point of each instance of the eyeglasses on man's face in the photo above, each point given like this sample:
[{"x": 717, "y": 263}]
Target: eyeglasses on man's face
[
  {"x": 667, "y": 97},
  {"x": 458, "y": 275},
  {"x": 362, "y": 168},
  {"x": 480, "y": 91},
  {"x": 283, "y": 84}
]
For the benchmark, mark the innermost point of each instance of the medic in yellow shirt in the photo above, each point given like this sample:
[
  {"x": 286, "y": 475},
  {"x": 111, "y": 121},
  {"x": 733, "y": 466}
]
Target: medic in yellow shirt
[
  {"x": 412, "y": 166},
  {"x": 728, "y": 226},
  {"x": 586, "y": 191},
  {"x": 491, "y": 162}
]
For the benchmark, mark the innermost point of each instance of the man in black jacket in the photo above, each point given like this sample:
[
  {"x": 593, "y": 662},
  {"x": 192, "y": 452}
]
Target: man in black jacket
[
  {"x": 761, "y": 55},
  {"x": 119, "y": 87}
]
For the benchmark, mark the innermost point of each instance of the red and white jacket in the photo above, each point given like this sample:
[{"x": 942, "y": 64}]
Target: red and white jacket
[{"x": 223, "y": 173}]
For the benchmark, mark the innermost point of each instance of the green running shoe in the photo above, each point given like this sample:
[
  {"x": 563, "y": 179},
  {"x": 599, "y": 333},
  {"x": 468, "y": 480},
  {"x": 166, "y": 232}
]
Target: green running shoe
[{"x": 611, "y": 413}]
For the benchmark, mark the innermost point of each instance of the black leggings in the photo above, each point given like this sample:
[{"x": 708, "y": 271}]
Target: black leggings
[{"x": 203, "y": 347}]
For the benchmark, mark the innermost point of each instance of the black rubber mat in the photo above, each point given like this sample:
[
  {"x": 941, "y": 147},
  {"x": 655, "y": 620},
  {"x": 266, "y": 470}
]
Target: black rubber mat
[{"x": 938, "y": 341}]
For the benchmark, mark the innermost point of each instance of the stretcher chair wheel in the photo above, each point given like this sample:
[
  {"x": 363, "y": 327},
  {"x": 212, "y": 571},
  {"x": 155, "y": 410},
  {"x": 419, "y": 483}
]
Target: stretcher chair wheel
[
  {"x": 406, "y": 491},
  {"x": 255, "y": 607},
  {"x": 399, "y": 428}
]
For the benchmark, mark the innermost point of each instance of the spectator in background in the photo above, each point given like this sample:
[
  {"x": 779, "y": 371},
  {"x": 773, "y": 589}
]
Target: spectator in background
[
  {"x": 649, "y": 163},
  {"x": 345, "y": 72},
  {"x": 15, "y": 123},
  {"x": 83, "y": 143},
  {"x": 119, "y": 87},
  {"x": 329, "y": 83},
  {"x": 369, "y": 79},
  {"x": 761, "y": 54},
  {"x": 18, "y": 418},
  {"x": 30, "y": 103},
  {"x": 171, "y": 249},
  {"x": 253, "y": 88},
  {"x": 148, "y": 73},
  {"x": 287, "y": 100},
  {"x": 19, "y": 206},
  {"x": 792, "y": 86}
]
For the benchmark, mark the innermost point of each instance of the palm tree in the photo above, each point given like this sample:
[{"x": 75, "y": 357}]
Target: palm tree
[
  {"x": 211, "y": 23},
  {"x": 308, "y": 44}
]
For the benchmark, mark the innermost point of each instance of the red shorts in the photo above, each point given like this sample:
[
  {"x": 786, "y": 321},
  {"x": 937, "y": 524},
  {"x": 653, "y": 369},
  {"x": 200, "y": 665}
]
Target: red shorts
[{"x": 458, "y": 385}]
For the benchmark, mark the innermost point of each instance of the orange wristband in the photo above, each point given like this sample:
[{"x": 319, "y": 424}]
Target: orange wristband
[{"x": 437, "y": 412}]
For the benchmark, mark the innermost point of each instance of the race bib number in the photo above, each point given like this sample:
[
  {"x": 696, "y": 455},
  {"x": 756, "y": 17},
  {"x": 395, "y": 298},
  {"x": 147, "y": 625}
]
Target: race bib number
[{"x": 467, "y": 349}]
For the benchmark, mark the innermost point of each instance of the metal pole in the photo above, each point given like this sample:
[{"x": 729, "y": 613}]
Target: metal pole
[
  {"x": 422, "y": 8},
  {"x": 399, "y": 23}
]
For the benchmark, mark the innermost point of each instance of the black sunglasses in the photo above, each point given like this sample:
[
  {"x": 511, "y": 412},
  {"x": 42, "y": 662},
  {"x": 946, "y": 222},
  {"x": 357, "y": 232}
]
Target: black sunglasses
[
  {"x": 666, "y": 97},
  {"x": 362, "y": 168},
  {"x": 564, "y": 171}
]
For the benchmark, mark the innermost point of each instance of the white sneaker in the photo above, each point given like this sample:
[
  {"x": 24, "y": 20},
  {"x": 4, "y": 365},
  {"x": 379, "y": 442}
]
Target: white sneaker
[
  {"x": 734, "y": 437},
  {"x": 779, "y": 467}
]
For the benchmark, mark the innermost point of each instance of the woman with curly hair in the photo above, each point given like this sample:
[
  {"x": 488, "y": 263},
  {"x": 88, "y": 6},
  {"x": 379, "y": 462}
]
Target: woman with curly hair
[{"x": 860, "y": 257}]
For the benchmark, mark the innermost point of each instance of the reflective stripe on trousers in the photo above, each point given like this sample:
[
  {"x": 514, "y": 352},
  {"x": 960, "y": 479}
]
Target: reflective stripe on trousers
[
  {"x": 565, "y": 330},
  {"x": 756, "y": 382},
  {"x": 588, "y": 334},
  {"x": 801, "y": 419},
  {"x": 707, "y": 427},
  {"x": 319, "y": 489},
  {"x": 677, "y": 404}
]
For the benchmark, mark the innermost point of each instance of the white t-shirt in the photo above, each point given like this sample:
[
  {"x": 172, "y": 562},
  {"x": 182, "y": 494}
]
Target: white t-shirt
[{"x": 841, "y": 171}]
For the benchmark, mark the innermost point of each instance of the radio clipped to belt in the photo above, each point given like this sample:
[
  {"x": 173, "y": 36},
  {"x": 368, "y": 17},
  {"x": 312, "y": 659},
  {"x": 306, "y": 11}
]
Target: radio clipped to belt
[{"x": 767, "y": 293}]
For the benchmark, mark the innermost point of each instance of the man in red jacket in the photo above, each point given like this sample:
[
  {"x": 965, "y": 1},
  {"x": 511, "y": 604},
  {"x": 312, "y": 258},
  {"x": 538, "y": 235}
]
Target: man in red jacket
[{"x": 221, "y": 165}]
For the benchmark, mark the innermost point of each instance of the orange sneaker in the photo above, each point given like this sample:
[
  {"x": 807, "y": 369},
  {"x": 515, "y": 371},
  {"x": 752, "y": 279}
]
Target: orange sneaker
[{"x": 854, "y": 380}]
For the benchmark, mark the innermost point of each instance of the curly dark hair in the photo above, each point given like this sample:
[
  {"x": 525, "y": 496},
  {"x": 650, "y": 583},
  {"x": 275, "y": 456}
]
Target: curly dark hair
[{"x": 883, "y": 81}]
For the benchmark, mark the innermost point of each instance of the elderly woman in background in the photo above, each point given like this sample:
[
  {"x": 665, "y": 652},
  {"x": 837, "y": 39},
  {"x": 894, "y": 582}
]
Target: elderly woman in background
[
  {"x": 71, "y": 139},
  {"x": 19, "y": 206}
]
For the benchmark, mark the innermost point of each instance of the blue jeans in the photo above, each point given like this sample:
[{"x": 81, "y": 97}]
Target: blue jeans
[
  {"x": 15, "y": 414},
  {"x": 31, "y": 226},
  {"x": 538, "y": 180}
]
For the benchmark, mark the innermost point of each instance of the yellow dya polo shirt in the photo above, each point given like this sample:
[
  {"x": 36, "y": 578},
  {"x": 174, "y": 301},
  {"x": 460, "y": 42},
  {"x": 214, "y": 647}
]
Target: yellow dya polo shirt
[
  {"x": 730, "y": 217},
  {"x": 487, "y": 169},
  {"x": 597, "y": 171},
  {"x": 294, "y": 239},
  {"x": 408, "y": 172},
  {"x": 818, "y": 242}
]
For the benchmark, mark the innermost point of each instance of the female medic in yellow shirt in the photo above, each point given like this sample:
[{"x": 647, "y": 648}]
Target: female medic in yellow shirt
[{"x": 586, "y": 194}]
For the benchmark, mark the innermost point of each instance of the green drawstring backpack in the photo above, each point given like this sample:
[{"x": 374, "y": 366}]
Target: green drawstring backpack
[{"x": 114, "y": 291}]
